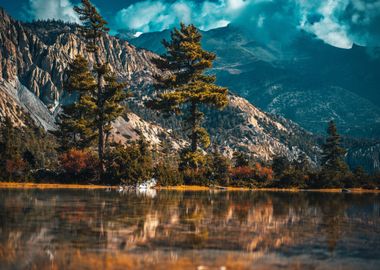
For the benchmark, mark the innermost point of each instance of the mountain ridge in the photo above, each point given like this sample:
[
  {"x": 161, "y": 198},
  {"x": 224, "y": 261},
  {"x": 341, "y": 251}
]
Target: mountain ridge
[
  {"x": 35, "y": 55},
  {"x": 272, "y": 75}
]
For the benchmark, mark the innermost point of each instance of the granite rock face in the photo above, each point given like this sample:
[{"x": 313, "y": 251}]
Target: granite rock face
[{"x": 37, "y": 55}]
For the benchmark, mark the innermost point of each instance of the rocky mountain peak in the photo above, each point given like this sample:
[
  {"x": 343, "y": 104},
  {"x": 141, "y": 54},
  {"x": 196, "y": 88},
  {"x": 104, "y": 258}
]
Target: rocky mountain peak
[{"x": 33, "y": 60}]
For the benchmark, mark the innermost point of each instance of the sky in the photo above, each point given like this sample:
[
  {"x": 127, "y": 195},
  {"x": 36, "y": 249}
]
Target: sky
[{"x": 340, "y": 23}]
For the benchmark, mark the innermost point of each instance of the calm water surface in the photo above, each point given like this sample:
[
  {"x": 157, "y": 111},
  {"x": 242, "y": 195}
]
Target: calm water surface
[{"x": 87, "y": 229}]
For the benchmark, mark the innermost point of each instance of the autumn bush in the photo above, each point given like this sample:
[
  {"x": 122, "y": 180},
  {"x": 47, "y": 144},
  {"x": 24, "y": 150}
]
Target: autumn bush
[
  {"x": 79, "y": 163},
  {"x": 15, "y": 168},
  {"x": 263, "y": 173},
  {"x": 242, "y": 173},
  {"x": 257, "y": 175}
]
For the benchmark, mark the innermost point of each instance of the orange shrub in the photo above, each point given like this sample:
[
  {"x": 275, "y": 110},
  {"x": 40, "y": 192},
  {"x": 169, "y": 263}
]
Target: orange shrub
[
  {"x": 78, "y": 161},
  {"x": 244, "y": 172},
  {"x": 263, "y": 173},
  {"x": 15, "y": 166},
  {"x": 258, "y": 172}
]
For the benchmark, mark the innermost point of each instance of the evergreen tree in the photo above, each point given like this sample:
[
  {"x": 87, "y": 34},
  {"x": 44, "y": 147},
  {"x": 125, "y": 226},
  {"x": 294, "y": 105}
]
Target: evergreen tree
[
  {"x": 106, "y": 101},
  {"x": 241, "y": 159},
  {"x": 280, "y": 165},
  {"x": 167, "y": 174},
  {"x": 361, "y": 177},
  {"x": 9, "y": 149},
  {"x": 188, "y": 88},
  {"x": 302, "y": 163},
  {"x": 219, "y": 166},
  {"x": 130, "y": 164},
  {"x": 76, "y": 121},
  {"x": 334, "y": 168}
]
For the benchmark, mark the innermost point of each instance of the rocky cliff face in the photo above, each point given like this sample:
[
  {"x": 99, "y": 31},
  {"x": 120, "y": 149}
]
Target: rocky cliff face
[
  {"x": 367, "y": 156},
  {"x": 37, "y": 54},
  {"x": 33, "y": 59},
  {"x": 23, "y": 107}
]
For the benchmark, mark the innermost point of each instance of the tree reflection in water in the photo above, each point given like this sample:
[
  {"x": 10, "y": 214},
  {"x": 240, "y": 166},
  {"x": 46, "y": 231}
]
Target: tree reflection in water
[{"x": 55, "y": 229}]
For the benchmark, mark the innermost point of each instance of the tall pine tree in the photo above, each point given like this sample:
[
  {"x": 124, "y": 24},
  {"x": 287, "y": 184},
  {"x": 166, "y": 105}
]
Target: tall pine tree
[
  {"x": 75, "y": 122},
  {"x": 109, "y": 94},
  {"x": 334, "y": 168},
  {"x": 186, "y": 88}
]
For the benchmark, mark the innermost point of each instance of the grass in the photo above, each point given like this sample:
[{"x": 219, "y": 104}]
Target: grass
[
  {"x": 14, "y": 185},
  {"x": 50, "y": 186},
  {"x": 200, "y": 188}
]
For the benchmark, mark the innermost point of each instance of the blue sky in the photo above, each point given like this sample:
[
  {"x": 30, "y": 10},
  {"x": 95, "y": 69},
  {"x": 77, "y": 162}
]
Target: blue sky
[{"x": 340, "y": 23}]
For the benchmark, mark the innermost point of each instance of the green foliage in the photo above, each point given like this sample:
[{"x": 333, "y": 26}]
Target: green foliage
[
  {"x": 280, "y": 165},
  {"x": 241, "y": 159},
  {"x": 76, "y": 121},
  {"x": 294, "y": 174},
  {"x": 333, "y": 153},
  {"x": 93, "y": 24},
  {"x": 11, "y": 163},
  {"x": 219, "y": 167},
  {"x": 195, "y": 176},
  {"x": 187, "y": 87},
  {"x": 24, "y": 150},
  {"x": 191, "y": 160},
  {"x": 334, "y": 168},
  {"x": 105, "y": 101},
  {"x": 131, "y": 164},
  {"x": 362, "y": 178},
  {"x": 293, "y": 178},
  {"x": 167, "y": 174}
]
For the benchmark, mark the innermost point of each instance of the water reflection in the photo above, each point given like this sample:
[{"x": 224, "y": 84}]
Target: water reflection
[{"x": 69, "y": 229}]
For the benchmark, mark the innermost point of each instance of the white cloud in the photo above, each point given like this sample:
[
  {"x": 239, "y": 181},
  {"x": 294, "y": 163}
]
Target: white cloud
[
  {"x": 328, "y": 28},
  {"x": 157, "y": 15},
  {"x": 343, "y": 22},
  {"x": 331, "y": 33},
  {"x": 52, "y": 9}
]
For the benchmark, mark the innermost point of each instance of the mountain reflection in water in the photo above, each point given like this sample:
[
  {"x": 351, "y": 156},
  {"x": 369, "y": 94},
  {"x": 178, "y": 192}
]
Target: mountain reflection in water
[{"x": 93, "y": 229}]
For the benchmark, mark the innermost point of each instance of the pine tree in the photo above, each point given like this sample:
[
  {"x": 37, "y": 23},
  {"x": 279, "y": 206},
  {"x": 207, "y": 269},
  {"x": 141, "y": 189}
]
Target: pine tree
[
  {"x": 106, "y": 102},
  {"x": 10, "y": 151},
  {"x": 219, "y": 166},
  {"x": 131, "y": 164},
  {"x": 188, "y": 88},
  {"x": 302, "y": 163},
  {"x": 280, "y": 165},
  {"x": 241, "y": 159},
  {"x": 334, "y": 168},
  {"x": 75, "y": 123}
]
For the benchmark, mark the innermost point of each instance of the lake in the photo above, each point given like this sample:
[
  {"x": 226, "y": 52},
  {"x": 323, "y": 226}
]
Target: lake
[{"x": 99, "y": 229}]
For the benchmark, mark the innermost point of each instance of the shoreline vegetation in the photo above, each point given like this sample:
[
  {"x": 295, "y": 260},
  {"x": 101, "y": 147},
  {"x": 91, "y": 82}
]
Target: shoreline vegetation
[
  {"x": 184, "y": 188},
  {"x": 82, "y": 150}
]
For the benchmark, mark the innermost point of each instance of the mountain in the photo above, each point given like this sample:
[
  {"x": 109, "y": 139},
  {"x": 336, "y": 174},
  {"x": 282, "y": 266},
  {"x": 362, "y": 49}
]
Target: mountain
[
  {"x": 306, "y": 80},
  {"x": 33, "y": 59}
]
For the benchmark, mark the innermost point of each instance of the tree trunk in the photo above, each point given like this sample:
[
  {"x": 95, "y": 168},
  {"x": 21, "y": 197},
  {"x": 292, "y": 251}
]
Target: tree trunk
[
  {"x": 100, "y": 105},
  {"x": 194, "y": 136}
]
